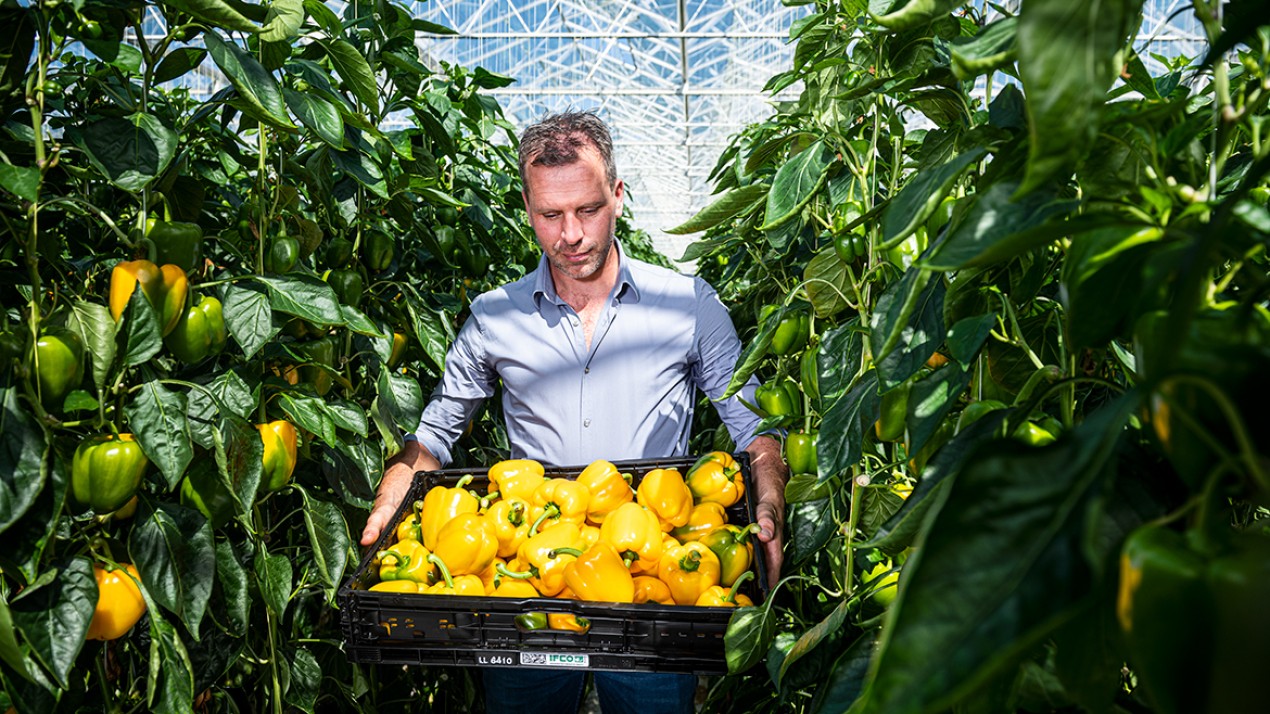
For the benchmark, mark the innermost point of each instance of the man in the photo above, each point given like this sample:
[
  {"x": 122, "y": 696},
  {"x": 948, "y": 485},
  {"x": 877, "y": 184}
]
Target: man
[{"x": 599, "y": 356}]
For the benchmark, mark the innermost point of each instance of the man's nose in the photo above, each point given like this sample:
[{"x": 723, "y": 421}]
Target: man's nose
[{"x": 571, "y": 229}]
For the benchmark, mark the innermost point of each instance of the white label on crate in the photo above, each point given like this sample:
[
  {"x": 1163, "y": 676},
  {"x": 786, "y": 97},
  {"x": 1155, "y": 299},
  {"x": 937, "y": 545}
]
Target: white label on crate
[{"x": 551, "y": 659}]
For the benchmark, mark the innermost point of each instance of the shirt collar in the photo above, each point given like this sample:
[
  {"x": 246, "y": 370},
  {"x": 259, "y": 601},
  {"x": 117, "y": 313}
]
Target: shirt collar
[{"x": 545, "y": 287}]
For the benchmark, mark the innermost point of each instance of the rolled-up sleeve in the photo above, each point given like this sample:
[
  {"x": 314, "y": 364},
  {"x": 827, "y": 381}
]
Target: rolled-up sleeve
[
  {"x": 718, "y": 348},
  {"x": 466, "y": 383}
]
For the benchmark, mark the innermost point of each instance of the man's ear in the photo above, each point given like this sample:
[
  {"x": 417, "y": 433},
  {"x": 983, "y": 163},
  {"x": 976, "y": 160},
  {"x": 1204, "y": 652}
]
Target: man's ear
[{"x": 619, "y": 191}]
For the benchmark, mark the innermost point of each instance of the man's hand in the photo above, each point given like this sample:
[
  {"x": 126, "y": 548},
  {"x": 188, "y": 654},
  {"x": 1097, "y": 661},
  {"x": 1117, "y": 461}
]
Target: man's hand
[
  {"x": 398, "y": 475},
  {"x": 770, "y": 476}
]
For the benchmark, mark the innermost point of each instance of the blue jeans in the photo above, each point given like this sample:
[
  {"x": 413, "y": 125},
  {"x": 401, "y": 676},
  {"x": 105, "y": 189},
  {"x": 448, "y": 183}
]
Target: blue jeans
[{"x": 554, "y": 691}]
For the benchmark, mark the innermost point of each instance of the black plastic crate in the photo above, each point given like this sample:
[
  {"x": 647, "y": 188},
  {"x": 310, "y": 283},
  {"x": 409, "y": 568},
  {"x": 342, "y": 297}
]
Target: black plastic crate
[{"x": 396, "y": 628}]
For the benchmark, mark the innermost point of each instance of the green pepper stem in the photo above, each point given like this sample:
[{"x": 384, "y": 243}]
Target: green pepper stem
[
  {"x": 690, "y": 562},
  {"x": 743, "y": 536},
  {"x": 445, "y": 572},
  {"x": 504, "y": 571},
  {"x": 629, "y": 557},
  {"x": 731, "y": 596},
  {"x": 464, "y": 481},
  {"x": 516, "y": 516},
  {"x": 555, "y": 552},
  {"x": 396, "y": 557},
  {"x": 551, "y": 511}
]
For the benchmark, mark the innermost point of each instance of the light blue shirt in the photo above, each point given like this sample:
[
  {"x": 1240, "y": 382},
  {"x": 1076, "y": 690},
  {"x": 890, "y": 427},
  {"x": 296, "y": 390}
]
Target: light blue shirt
[{"x": 661, "y": 336}]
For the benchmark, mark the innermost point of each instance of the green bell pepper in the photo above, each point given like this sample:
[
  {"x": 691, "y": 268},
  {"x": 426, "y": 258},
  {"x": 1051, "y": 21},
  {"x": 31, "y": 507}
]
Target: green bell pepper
[
  {"x": 894, "y": 413},
  {"x": 202, "y": 490},
  {"x": 809, "y": 371},
  {"x": 320, "y": 358},
  {"x": 348, "y": 286},
  {"x": 778, "y": 398},
  {"x": 106, "y": 472},
  {"x": 800, "y": 452},
  {"x": 378, "y": 250},
  {"x": 791, "y": 332},
  {"x": 337, "y": 253},
  {"x": 59, "y": 361},
  {"x": 200, "y": 333},
  {"x": 284, "y": 253},
  {"x": 850, "y": 247},
  {"x": 176, "y": 242}
]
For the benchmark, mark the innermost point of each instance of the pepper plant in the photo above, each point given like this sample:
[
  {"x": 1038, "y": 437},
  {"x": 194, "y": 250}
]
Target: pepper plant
[{"x": 1034, "y": 283}]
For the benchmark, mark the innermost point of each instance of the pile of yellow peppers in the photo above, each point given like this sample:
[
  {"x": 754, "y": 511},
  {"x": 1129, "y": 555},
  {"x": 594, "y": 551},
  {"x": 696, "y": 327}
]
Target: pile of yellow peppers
[{"x": 594, "y": 538}]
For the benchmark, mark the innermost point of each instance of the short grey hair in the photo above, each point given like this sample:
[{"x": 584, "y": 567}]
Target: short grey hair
[{"x": 557, "y": 139}]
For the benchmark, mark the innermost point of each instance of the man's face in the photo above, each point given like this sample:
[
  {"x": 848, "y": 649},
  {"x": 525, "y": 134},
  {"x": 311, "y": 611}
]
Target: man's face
[{"x": 573, "y": 211}]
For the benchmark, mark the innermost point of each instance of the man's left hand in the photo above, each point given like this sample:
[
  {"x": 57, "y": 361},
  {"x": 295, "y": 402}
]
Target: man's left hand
[{"x": 770, "y": 476}]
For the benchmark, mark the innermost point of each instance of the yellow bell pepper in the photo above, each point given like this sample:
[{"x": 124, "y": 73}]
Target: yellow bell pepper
[
  {"x": 510, "y": 517},
  {"x": 407, "y": 560},
  {"x": 513, "y": 587},
  {"x": 649, "y": 588},
  {"x": 516, "y": 478},
  {"x": 721, "y": 596},
  {"x": 598, "y": 574},
  {"x": 466, "y": 545},
  {"x": 441, "y": 504},
  {"x": 689, "y": 570},
  {"x": 279, "y": 439},
  {"x": 558, "y": 499},
  {"x": 165, "y": 289},
  {"x": 489, "y": 576},
  {"x": 668, "y": 541},
  {"x": 609, "y": 489},
  {"x": 461, "y": 585},
  {"x": 568, "y": 622},
  {"x": 664, "y": 492},
  {"x": 716, "y": 478},
  {"x": 536, "y": 562},
  {"x": 411, "y": 526},
  {"x": 705, "y": 517},
  {"x": 636, "y": 534},
  {"x": 399, "y": 586}
]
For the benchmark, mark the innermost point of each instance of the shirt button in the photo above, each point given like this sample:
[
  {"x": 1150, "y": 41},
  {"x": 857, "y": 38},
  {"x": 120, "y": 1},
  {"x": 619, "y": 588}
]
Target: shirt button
[
  {"x": 586, "y": 370},
  {"x": 586, "y": 422}
]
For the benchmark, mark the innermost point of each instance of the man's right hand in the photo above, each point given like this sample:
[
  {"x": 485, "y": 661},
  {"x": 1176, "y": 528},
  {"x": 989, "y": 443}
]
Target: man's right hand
[{"x": 398, "y": 475}]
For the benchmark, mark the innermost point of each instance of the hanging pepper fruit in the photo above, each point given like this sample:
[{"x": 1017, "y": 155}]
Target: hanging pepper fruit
[
  {"x": 609, "y": 489},
  {"x": 809, "y": 372},
  {"x": 405, "y": 560},
  {"x": 337, "y": 253},
  {"x": 636, "y": 534},
  {"x": 279, "y": 456},
  {"x": 348, "y": 285},
  {"x": 689, "y": 570},
  {"x": 165, "y": 289},
  {"x": 398, "y": 586},
  {"x": 119, "y": 602},
  {"x": 716, "y": 478},
  {"x": 399, "y": 344},
  {"x": 442, "y": 504},
  {"x": 705, "y": 517},
  {"x": 1239, "y": 581},
  {"x": 734, "y": 549},
  {"x": 378, "y": 250},
  {"x": 800, "y": 452},
  {"x": 542, "y": 571},
  {"x": 664, "y": 492},
  {"x": 778, "y": 398},
  {"x": 516, "y": 478},
  {"x": 283, "y": 254},
  {"x": 106, "y": 472},
  {"x": 850, "y": 247},
  {"x": 200, "y": 333},
  {"x": 510, "y": 517},
  {"x": 175, "y": 242},
  {"x": 894, "y": 413},
  {"x": 319, "y": 361},
  {"x": 568, "y": 622},
  {"x": 791, "y": 331},
  {"x": 649, "y": 588},
  {"x": 59, "y": 359},
  {"x": 202, "y": 490},
  {"x": 721, "y": 596},
  {"x": 598, "y": 574},
  {"x": 466, "y": 544},
  {"x": 558, "y": 500}
]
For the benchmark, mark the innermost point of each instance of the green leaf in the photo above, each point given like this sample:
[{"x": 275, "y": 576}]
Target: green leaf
[
  {"x": 273, "y": 577},
  {"x": 722, "y": 209},
  {"x": 21, "y": 181},
  {"x": 348, "y": 415},
  {"x": 806, "y": 487},
  {"x": 899, "y": 15},
  {"x": 991, "y": 48},
  {"x": 227, "y": 391},
  {"x": 323, "y": 16},
  {"x": 907, "y": 325},
  {"x": 139, "y": 329},
  {"x": 402, "y": 397},
  {"x": 1010, "y": 534},
  {"x": 54, "y": 617},
  {"x": 827, "y": 282},
  {"x": 1068, "y": 59},
  {"x": 328, "y": 536},
  {"x": 216, "y": 13},
  {"x": 486, "y": 79},
  {"x": 31, "y": 534},
  {"x": 838, "y": 691},
  {"x": 811, "y": 525},
  {"x": 239, "y": 456},
  {"x": 318, "y": 114},
  {"x": 930, "y": 400},
  {"x": 306, "y": 679},
  {"x": 10, "y": 651},
  {"x": 968, "y": 335},
  {"x": 749, "y": 635},
  {"x": 360, "y": 166},
  {"x": 919, "y": 198},
  {"x": 352, "y": 67},
  {"x": 1102, "y": 278},
  {"x": 170, "y": 687},
  {"x": 283, "y": 21},
  {"x": 308, "y": 411},
  {"x": 795, "y": 184},
  {"x": 305, "y": 296},
  {"x": 129, "y": 151},
  {"x": 157, "y": 418},
  {"x": 24, "y": 450},
  {"x": 172, "y": 548},
  {"x": 248, "y": 315},
  {"x": 812, "y": 637},
  {"x": 231, "y": 579},
  {"x": 997, "y": 227},
  {"x": 94, "y": 325},
  {"x": 259, "y": 91},
  {"x": 431, "y": 325},
  {"x": 178, "y": 63},
  {"x": 846, "y": 420}
]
